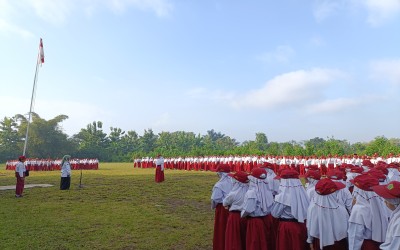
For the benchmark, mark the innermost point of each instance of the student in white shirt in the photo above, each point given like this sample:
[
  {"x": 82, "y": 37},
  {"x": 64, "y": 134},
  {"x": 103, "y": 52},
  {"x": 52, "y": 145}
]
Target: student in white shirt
[{"x": 65, "y": 173}]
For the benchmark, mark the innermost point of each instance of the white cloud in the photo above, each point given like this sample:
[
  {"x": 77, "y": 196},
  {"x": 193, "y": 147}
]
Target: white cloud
[
  {"x": 293, "y": 88},
  {"x": 281, "y": 54},
  {"x": 48, "y": 109},
  {"x": 381, "y": 11},
  {"x": 162, "y": 8},
  {"x": 336, "y": 105},
  {"x": 386, "y": 70},
  {"x": 325, "y": 8},
  {"x": 8, "y": 28},
  {"x": 378, "y": 11},
  {"x": 59, "y": 11},
  {"x": 53, "y": 11}
]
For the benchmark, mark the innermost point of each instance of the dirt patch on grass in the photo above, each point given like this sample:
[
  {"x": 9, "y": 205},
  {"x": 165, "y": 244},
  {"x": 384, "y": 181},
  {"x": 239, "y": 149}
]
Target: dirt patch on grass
[{"x": 26, "y": 186}]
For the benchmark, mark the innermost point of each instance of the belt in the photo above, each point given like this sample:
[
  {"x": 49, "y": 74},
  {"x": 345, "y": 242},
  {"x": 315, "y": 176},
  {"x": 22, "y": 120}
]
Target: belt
[
  {"x": 235, "y": 211},
  {"x": 287, "y": 220}
]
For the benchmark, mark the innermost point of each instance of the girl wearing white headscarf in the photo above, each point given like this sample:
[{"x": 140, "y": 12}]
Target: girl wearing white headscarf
[
  {"x": 344, "y": 195},
  {"x": 369, "y": 218},
  {"x": 65, "y": 173},
  {"x": 273, "y": 183},
  {"x": 257, "y": 206},
  {"x": 326, "y": 218},
  {"x": 391, "y": 194},
  {"x": 235, "y": 233},
  {"x": 312, "y": 177},
  {"x": 290, "y": 207},
  {"x": 219, "y": 192}
]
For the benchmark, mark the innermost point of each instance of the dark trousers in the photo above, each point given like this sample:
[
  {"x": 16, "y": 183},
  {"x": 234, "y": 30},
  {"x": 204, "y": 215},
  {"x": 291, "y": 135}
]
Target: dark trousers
[{"x": 65, "y": 183}]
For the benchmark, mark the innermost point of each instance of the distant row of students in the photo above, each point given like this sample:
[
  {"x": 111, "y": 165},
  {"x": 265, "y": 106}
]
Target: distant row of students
[{"x": 33, "y": 164}]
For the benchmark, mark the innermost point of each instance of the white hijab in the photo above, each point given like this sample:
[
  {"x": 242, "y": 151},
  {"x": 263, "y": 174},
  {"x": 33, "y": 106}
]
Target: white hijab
[
  {"x": 293, "y": 194},
  {"x": 393, "y": 227},
  {"x": 224, "y": 183},
  {"x": 393, "y": 174},
  {"x": 259, "y": 190},
  {"x": 237, "y": 193},
  {"x": 273, "y": 184},
  {"x": 350, "y": 176},
  {"x": 327, "y": 219},
  {"x": 371, "y": 212}
]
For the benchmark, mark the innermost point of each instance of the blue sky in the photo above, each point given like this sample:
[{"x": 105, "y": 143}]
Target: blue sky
[{"x": 292, "y": 69}]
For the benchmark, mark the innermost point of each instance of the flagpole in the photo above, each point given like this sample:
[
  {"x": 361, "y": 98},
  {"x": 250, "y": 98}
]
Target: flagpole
[{"x": 33, "y": 95}]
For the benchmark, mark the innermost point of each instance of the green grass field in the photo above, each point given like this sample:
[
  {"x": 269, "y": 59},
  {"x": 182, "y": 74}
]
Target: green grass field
[{"x": 118, "y": 207}]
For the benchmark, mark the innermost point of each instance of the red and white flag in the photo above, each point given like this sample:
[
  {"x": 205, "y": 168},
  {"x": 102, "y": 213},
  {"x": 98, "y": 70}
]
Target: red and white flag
[{"x": 41, "y": 52}]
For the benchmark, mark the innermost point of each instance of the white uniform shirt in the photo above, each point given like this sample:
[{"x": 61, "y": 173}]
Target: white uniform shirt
[
  {"x": 160, "y": 162},
  {"x": 66, "y": 169},
  {"x": 20, "y": 169}
]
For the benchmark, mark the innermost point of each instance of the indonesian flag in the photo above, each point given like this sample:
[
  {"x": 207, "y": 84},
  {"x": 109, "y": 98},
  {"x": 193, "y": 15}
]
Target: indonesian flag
[{"x": 41, "y": 52}]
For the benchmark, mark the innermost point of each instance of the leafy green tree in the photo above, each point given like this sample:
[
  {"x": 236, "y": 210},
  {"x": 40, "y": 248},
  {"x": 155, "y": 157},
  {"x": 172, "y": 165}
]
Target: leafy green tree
[
  {"x": 335, "y": 147},
  {"x": 130, "y": 144},
  {"x": 380, "y": 145},
  {"x": 261, "y": 141},
  {"x": 93, "y": 142},
  {"x": 10, "y": 141},
  {"x": 358, "y": 148},
  {"x": 274, "y": 149},
  {"x": 148, "y": 141},
  {"x": 315, "y": 146},
  {"x": 45, "y": 138}
]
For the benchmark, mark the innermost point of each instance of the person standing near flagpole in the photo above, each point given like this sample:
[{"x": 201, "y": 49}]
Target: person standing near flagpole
[
  {"x": 20, "y": 175},
  {"x": 65, "y": 173}
]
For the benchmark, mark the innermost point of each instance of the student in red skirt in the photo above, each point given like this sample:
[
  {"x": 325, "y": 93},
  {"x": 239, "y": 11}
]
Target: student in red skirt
[
  {"x": 290, "y": 208},
  {"x": 326, "y": 218},
  {"x": 256, "y": 207},
  {"x": 235, "y": 234},
  {"x": 20, "y": 175},
  {"x": 369, "y": 217},
  {"x": 159, "y": 162},
  {"x": 220, "y": 190}
]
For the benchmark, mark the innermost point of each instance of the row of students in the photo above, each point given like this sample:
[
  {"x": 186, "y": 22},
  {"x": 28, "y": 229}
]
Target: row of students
[
  {"x": 247, "y": 163},
  {"x": 32, "y": 164},
  {"x": 259, "y": 210}
]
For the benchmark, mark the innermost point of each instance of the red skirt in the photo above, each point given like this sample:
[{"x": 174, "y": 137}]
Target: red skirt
[
  {"x": 292, "y": 235},
  {"x": 159, "y": 174},
  {"x": 235, "y": 234},
  {"x": 220, "y": 219},
  {"x": 255, "y": 234},
  {"x": 370, "y": 245},
  {"x": 271, "y": 225},
  {"x": 338, "y": 245}
]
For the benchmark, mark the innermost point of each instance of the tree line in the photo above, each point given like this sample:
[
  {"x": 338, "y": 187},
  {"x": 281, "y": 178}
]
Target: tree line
[{"x": 47, "y": 140}]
